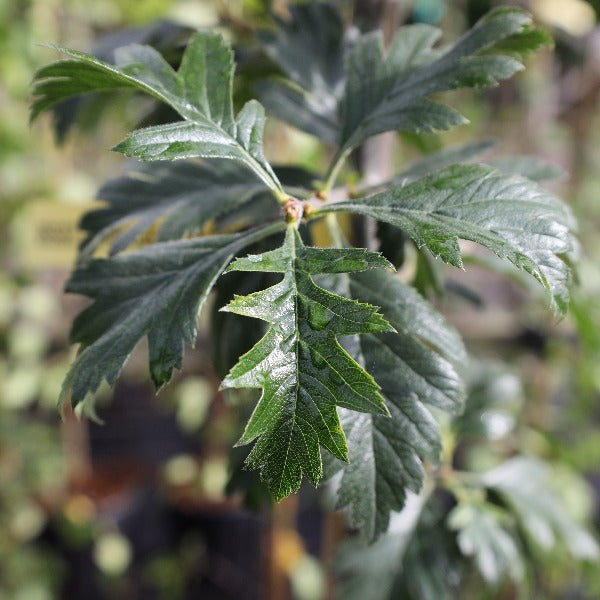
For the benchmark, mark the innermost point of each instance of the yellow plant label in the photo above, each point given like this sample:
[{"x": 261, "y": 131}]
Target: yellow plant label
[{"x": 51, "y": 235}]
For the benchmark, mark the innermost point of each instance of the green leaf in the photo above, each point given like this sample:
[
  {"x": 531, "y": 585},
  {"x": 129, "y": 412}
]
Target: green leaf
[
  {"x": 155, "y": 292},
  {"x": 369, "y": 570},
  {"x": 414, "y": 368},
  {"x": 483, "y": 534},
  {"x": 390, "y": 92},
  {"x": 201, "y": 92},
  {"x": 309, "y": 50},
  {"x": 185, "y": 196},
  {"x": 511, "y": 216},
  {"x": 303, "y": 371},
  {"x": 191, "y": 139},
  {"x": 525, "y": 484}
]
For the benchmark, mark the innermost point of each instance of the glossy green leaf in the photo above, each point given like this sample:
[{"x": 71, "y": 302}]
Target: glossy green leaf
[
  {"x": 303, "y": 371},
  {"x": 415, "y": 369},
  {"x": 511, "y": 216},
  {"x": 155, "y": 292},
  {"x": 201, "y": 92},
  {"x": 391, "y": 91}
]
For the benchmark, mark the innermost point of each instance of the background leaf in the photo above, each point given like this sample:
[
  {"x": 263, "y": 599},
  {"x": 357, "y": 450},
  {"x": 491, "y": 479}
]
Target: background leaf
[
  {"x": 391, "y": 91},
  {"x": 415, "y": 369},
  {"x": 309, "y": 50},
  {"x": 185, "y": 196},
  {"x": 524, "y": 483}
]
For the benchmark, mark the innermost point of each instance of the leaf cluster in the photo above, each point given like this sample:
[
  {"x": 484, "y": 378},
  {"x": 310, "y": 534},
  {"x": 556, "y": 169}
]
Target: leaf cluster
[{"x": 354, "y": 362}]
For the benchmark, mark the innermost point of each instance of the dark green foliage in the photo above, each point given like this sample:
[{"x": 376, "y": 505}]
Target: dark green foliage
[
  {"x": 353, "y": 361},
  {"x": 415, "y": 368},
  {"x": 155, "y": 292}
]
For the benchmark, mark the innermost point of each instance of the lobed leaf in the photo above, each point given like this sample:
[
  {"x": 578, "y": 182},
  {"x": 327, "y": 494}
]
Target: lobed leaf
[
  {"x": 155, "y": 292},
  {"x": 303, "y": 371},
  {"x": 387, "y": 92},
  {"x": 511, "y": 216},
  {"x": 347, "y": 91},
  {"x": 415, "y": 368},
  {"x": 200, "y": 92}
]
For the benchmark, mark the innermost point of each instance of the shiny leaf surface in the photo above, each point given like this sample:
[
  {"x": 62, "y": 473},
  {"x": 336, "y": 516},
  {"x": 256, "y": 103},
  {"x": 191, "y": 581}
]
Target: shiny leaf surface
[
  {"x": 511, "y": 216},
  {"x": 303, "y": 371}
]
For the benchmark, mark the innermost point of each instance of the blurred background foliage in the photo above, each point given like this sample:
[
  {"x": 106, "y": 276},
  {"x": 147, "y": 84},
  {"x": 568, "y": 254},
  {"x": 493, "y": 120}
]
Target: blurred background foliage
[{"x": 152, "y": 504}]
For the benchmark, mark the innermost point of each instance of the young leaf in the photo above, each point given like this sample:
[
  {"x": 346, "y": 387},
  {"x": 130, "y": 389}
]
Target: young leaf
[
  {"x": 201, "y": 92},
  {"x": 390, "y": 92},
  {"x": 414, "y": 368},
  {"x": 511, "y": 216},
  {"x": 155, "y": 292},
  {"x": 303, "y": 371}
]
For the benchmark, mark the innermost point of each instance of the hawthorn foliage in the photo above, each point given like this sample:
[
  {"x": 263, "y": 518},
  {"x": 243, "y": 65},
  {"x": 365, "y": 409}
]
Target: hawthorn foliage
[{"x": 354, "y": 364}]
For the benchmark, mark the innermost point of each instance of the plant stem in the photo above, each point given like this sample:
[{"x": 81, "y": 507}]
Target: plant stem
[
  {"x": 334, "y": 170},
  {"x": 334, "y": 230}
]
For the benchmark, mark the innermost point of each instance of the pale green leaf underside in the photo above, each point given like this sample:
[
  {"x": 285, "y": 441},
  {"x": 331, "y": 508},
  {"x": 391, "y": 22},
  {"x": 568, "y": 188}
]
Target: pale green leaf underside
[
  {"x": 155, "y": 292},
  {"x": 543, "y": 516},
  {"x": 482, "y": 534},
  {"x": 303, "y": 371},
  {"x": 415, "y": 369},
  {"x": 511, "y": 216},
  {"x": 201, "y": 92}
]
